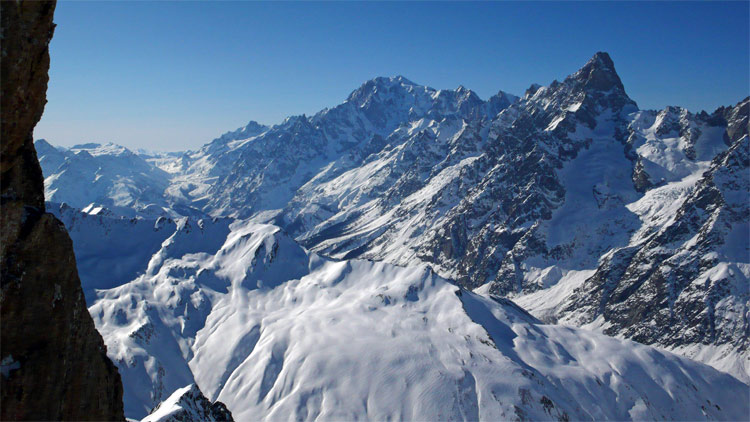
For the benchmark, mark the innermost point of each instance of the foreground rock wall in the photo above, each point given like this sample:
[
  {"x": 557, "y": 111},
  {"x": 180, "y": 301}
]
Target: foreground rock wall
[{"x": 54, "y": 363}]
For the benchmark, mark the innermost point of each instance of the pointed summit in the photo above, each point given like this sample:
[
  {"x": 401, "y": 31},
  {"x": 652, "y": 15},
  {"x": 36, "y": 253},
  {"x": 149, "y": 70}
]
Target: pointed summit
[{"x": 599, "y": 74}]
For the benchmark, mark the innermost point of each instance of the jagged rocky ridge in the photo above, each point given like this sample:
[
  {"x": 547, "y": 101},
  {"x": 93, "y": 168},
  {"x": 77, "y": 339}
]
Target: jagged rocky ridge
[
  {"x": 525, "y": 197},
  {"x": 54, "y": 363},
  {"x": 188, "y": 404}
]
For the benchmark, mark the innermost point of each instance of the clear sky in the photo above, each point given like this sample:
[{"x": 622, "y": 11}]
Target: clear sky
[{"x": 174, "y": 75}]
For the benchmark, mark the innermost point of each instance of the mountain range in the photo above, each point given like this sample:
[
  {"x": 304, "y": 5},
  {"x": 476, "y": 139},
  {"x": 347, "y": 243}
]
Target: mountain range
[{"x": 277, "y": 259}]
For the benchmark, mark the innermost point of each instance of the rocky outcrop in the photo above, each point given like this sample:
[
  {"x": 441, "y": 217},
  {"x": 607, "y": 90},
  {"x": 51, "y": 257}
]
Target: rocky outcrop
[
  {"x": 188, "y": 404},
  {"x": 54, "y": 363}
]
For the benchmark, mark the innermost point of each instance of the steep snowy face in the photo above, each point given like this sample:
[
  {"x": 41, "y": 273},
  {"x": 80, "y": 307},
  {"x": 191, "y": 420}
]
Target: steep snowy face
[
  {"x": 275, "y": 332},
  {"x": 595, "y": 214},
  {"x": 679, "y": 279},
  {"x": 553, "y": 135},
  {"x": 337, "y": 215}
]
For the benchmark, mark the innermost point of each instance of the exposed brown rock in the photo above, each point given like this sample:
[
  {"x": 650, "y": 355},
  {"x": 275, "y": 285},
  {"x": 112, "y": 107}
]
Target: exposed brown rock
[{"x": 54, "y": 363}]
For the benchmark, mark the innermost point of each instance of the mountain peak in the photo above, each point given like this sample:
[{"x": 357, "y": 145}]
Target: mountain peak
[
  {"x": 380, "y": 82},
  {"x": 90, "y": 145},
  {"x": 253, "y": 125},
  {"x": 252, "y": 128},
  {"x": 42, "y": 143},
  {"x": 393, "y": 80},
  {"x": 386, "y": 82},
  {"x": 602, "y": 59},
  {"x": 599, "y": 74}
]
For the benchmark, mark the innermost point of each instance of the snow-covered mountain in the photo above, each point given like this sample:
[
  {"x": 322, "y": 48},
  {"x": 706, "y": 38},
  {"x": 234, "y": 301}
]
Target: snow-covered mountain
[
  {"x": 112, "y": 250},
  {"x": 188, "y": 404},
  {"x": 256, "y": 168},
  {"x": 276, "y": 332},
  {"x": 109, "y": 175},
  {"x": 582, "y": 208},
  {"x": 682, "y": 280}
]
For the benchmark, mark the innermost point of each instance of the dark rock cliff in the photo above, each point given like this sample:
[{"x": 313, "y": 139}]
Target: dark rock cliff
[{"x": 54, "y": 362}]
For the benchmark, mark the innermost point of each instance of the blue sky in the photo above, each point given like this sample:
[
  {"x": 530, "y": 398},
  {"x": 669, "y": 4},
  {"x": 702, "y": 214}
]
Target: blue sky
[{"x": 174, "y": 75}]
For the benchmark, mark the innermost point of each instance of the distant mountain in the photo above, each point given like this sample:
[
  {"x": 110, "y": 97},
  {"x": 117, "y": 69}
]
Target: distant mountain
[
  {"x": 109, "y": 175},
  {"x": 570, "y": 200},
  {"x": 239, "y": 172}
]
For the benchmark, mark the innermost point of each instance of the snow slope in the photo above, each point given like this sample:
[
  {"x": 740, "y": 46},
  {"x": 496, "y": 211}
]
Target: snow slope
[
  {"x": 112, "y": 250},
  {"x": 276, "y": 332}
]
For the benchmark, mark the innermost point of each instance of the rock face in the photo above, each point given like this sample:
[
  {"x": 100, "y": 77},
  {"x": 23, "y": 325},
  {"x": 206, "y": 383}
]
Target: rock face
[
  {"x": 54, "y": 363},
  {"x": 188, "y": 404}
]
